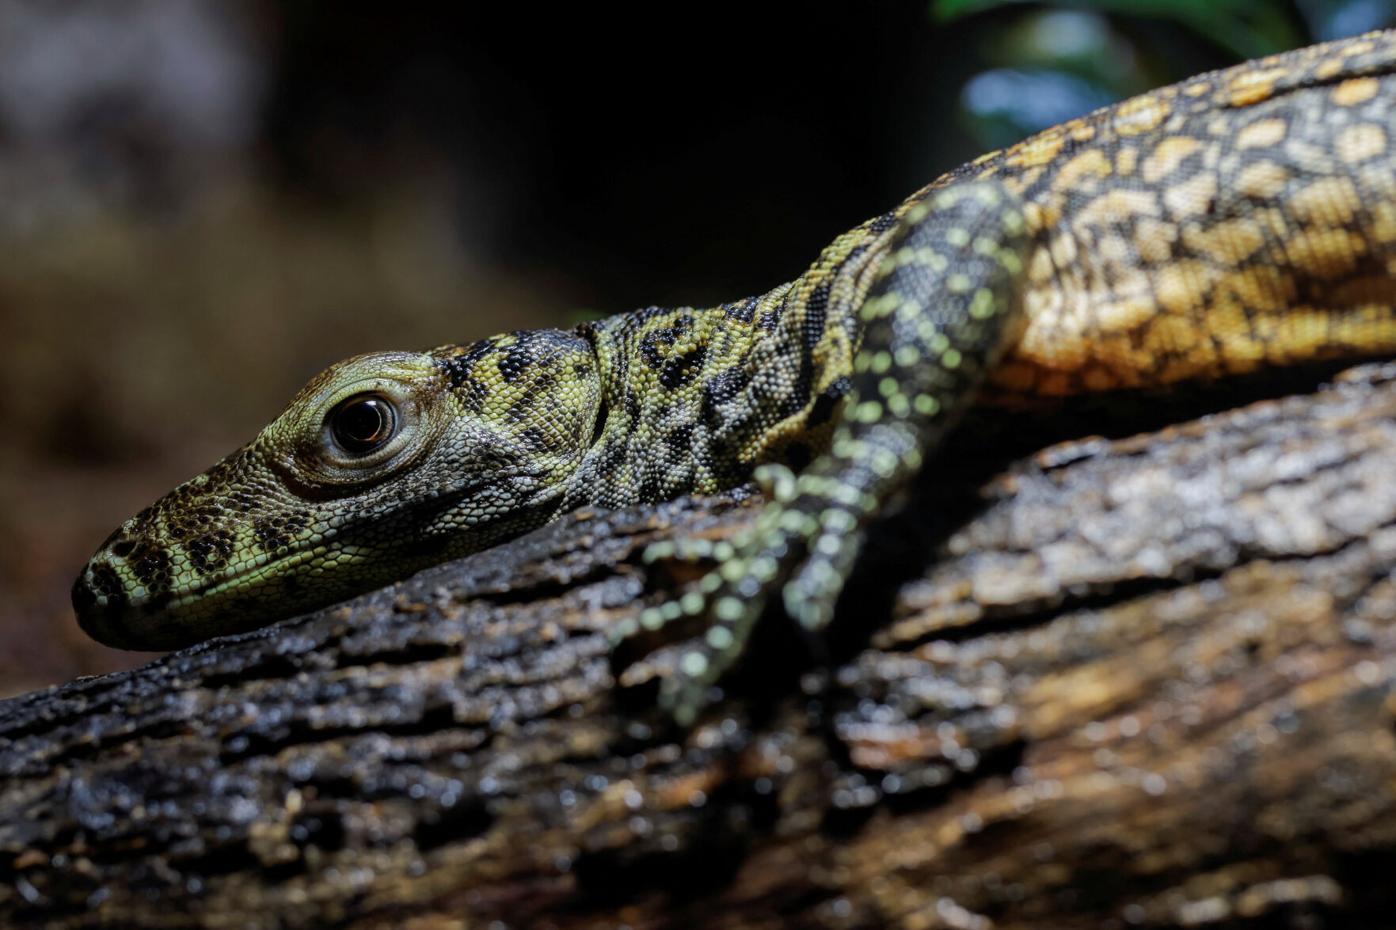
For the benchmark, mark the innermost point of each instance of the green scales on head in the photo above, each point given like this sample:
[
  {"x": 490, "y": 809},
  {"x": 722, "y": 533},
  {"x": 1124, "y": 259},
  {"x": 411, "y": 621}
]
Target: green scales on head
[{"x": 1239, "y": 220}]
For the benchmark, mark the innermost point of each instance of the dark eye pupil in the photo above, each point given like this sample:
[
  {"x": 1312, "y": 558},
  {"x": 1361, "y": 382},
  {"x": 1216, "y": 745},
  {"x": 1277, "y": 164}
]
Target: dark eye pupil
[{"x": 362, "y": 424}]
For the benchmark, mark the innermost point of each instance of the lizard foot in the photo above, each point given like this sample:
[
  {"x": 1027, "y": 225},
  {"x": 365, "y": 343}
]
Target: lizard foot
[{"x": 728, "y": 601}]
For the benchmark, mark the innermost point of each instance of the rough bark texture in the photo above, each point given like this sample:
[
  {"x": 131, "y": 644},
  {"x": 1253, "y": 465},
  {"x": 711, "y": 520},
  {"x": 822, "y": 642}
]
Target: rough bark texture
[{"x": 1145, "y": 682}]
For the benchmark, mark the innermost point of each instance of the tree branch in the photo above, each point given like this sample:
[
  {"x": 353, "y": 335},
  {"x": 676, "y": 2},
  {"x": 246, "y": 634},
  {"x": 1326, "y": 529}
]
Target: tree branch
[{"x": 1140, "y": 682}]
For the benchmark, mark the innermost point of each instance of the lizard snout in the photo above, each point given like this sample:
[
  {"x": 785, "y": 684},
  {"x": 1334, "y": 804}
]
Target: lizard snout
[{"x": 103, "y": 605}]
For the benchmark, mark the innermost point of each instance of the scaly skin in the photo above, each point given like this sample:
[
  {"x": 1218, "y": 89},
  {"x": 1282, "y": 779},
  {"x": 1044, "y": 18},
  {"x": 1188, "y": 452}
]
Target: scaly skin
[{"x": 1240, "y": 220}]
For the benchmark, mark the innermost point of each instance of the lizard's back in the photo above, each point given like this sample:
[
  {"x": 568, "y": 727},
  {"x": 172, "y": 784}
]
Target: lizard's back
[{"x": 1238, "y": 220}]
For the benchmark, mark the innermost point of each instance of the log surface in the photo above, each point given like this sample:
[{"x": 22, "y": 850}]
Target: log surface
[{"x": 1140, "y": 682}]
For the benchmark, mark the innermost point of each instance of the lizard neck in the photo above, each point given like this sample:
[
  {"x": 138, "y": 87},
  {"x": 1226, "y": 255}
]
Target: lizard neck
[{"x": 693, "y": 400}]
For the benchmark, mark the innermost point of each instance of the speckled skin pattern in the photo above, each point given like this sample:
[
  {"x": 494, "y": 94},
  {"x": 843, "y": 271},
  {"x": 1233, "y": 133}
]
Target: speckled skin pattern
[{"x": 1240, "y": 220}]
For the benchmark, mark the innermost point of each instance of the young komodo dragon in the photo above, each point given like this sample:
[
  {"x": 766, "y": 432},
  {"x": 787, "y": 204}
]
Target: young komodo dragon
[{"x": 1239, "y": 220}]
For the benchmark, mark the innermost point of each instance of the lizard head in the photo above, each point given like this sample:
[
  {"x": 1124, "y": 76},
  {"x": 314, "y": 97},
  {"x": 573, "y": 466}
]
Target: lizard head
[{"x": 382, "y": 464}]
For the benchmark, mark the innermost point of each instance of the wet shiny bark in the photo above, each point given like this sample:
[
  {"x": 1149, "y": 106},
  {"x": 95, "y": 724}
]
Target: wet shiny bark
[{"x": 1147, "y": 681}]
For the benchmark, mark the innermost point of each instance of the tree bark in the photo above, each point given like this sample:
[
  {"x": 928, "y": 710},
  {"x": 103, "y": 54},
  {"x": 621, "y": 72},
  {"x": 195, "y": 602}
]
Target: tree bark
[{"x": 1133, "y": 682}]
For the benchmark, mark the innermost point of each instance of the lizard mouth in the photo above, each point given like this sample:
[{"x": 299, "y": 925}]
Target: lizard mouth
[
  {"x": 340, "y": 562},
  {"x": 134, "y": 619}
]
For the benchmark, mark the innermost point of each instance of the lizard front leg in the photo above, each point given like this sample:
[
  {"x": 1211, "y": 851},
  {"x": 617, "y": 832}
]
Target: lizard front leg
[{"x": 941, "y": 310}]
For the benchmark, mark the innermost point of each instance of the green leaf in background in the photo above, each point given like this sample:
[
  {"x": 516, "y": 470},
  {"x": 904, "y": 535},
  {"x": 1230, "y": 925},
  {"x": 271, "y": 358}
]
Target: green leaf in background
[
  {"x": 1006, "y": 104},
  {"x": 1049, "y": 62},
  {"x": 1247, "y": 28},
  {"x": 1052, "y": 65}
]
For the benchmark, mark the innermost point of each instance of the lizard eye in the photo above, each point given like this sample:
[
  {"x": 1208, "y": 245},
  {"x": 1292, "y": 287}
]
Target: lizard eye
[{"x": 363, "y": 423}]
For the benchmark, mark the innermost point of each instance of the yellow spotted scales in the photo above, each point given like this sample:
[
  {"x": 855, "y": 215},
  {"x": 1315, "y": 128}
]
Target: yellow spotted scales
[{"x": 1239, "y": 220}]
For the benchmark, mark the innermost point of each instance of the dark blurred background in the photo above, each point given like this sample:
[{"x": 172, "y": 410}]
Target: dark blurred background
[{"x": 202, "y": 204}]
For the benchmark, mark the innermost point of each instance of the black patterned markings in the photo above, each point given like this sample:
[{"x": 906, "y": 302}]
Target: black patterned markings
[
  {"x": 610, "y": 458},
  {"x": 473, "y": 394},
  {"x": 524, "y": 409},
  {"x": 657, "y": 341},
  {"x": 579, "y": 429},
  {"x": 107, "y": 583},
  {"x": 104, "y": 582},
  {"x": 186, "y": 520},
  {"x": 726, "y": 384},
  {"x": 459, "y": 369},
  {"x": 274, "y": 534},
  {"x": 652, "y": 488},
  {"x": 673, "y": 370},
  {"x": 211, "y": 551},
  {"x": 741, "y": 311},
  {"x": 679, "y": 443},
  {"x": 813, "y": 321},
  {"x": 244, "y": 501},
  {"x": 460, "y": 366},
  {"x": 541, "y": 349},
  {"x": 881, "y": 224},
  {"x": 150, "y": 565},
  {"x": 719, "y": 391},
  {"x": 517, "y": 359},
  {"x": 534, "y": 439},
  {"x": 816, "y": 316},
  {"x": 681, "y": 370}
]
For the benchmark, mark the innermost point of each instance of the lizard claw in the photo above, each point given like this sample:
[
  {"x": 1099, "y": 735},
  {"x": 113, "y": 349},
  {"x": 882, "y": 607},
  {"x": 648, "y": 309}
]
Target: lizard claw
[
  {"x": 731, "y": 599},
  {"x": 809, "y": 597},
  {"x": 688, "y": 550}
]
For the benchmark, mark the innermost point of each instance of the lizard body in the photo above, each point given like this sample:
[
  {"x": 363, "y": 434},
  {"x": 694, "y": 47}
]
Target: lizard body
[{"x": 1240, "y": 220}]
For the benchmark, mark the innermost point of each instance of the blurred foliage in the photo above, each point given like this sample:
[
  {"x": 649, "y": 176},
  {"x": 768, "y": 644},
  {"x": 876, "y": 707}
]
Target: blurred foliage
[
  {"x": 1247, "y": 28},
  {"x": 1061, "y": 60}
]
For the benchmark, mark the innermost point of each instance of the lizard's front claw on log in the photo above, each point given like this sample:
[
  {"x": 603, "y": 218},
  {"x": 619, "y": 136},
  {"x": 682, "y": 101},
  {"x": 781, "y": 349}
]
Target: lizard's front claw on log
[{"x": 723, "y": 608}]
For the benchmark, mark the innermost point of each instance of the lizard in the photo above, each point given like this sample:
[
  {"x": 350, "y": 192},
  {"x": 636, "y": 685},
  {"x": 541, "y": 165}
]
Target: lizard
[{"x": 1241, "y": 220}]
